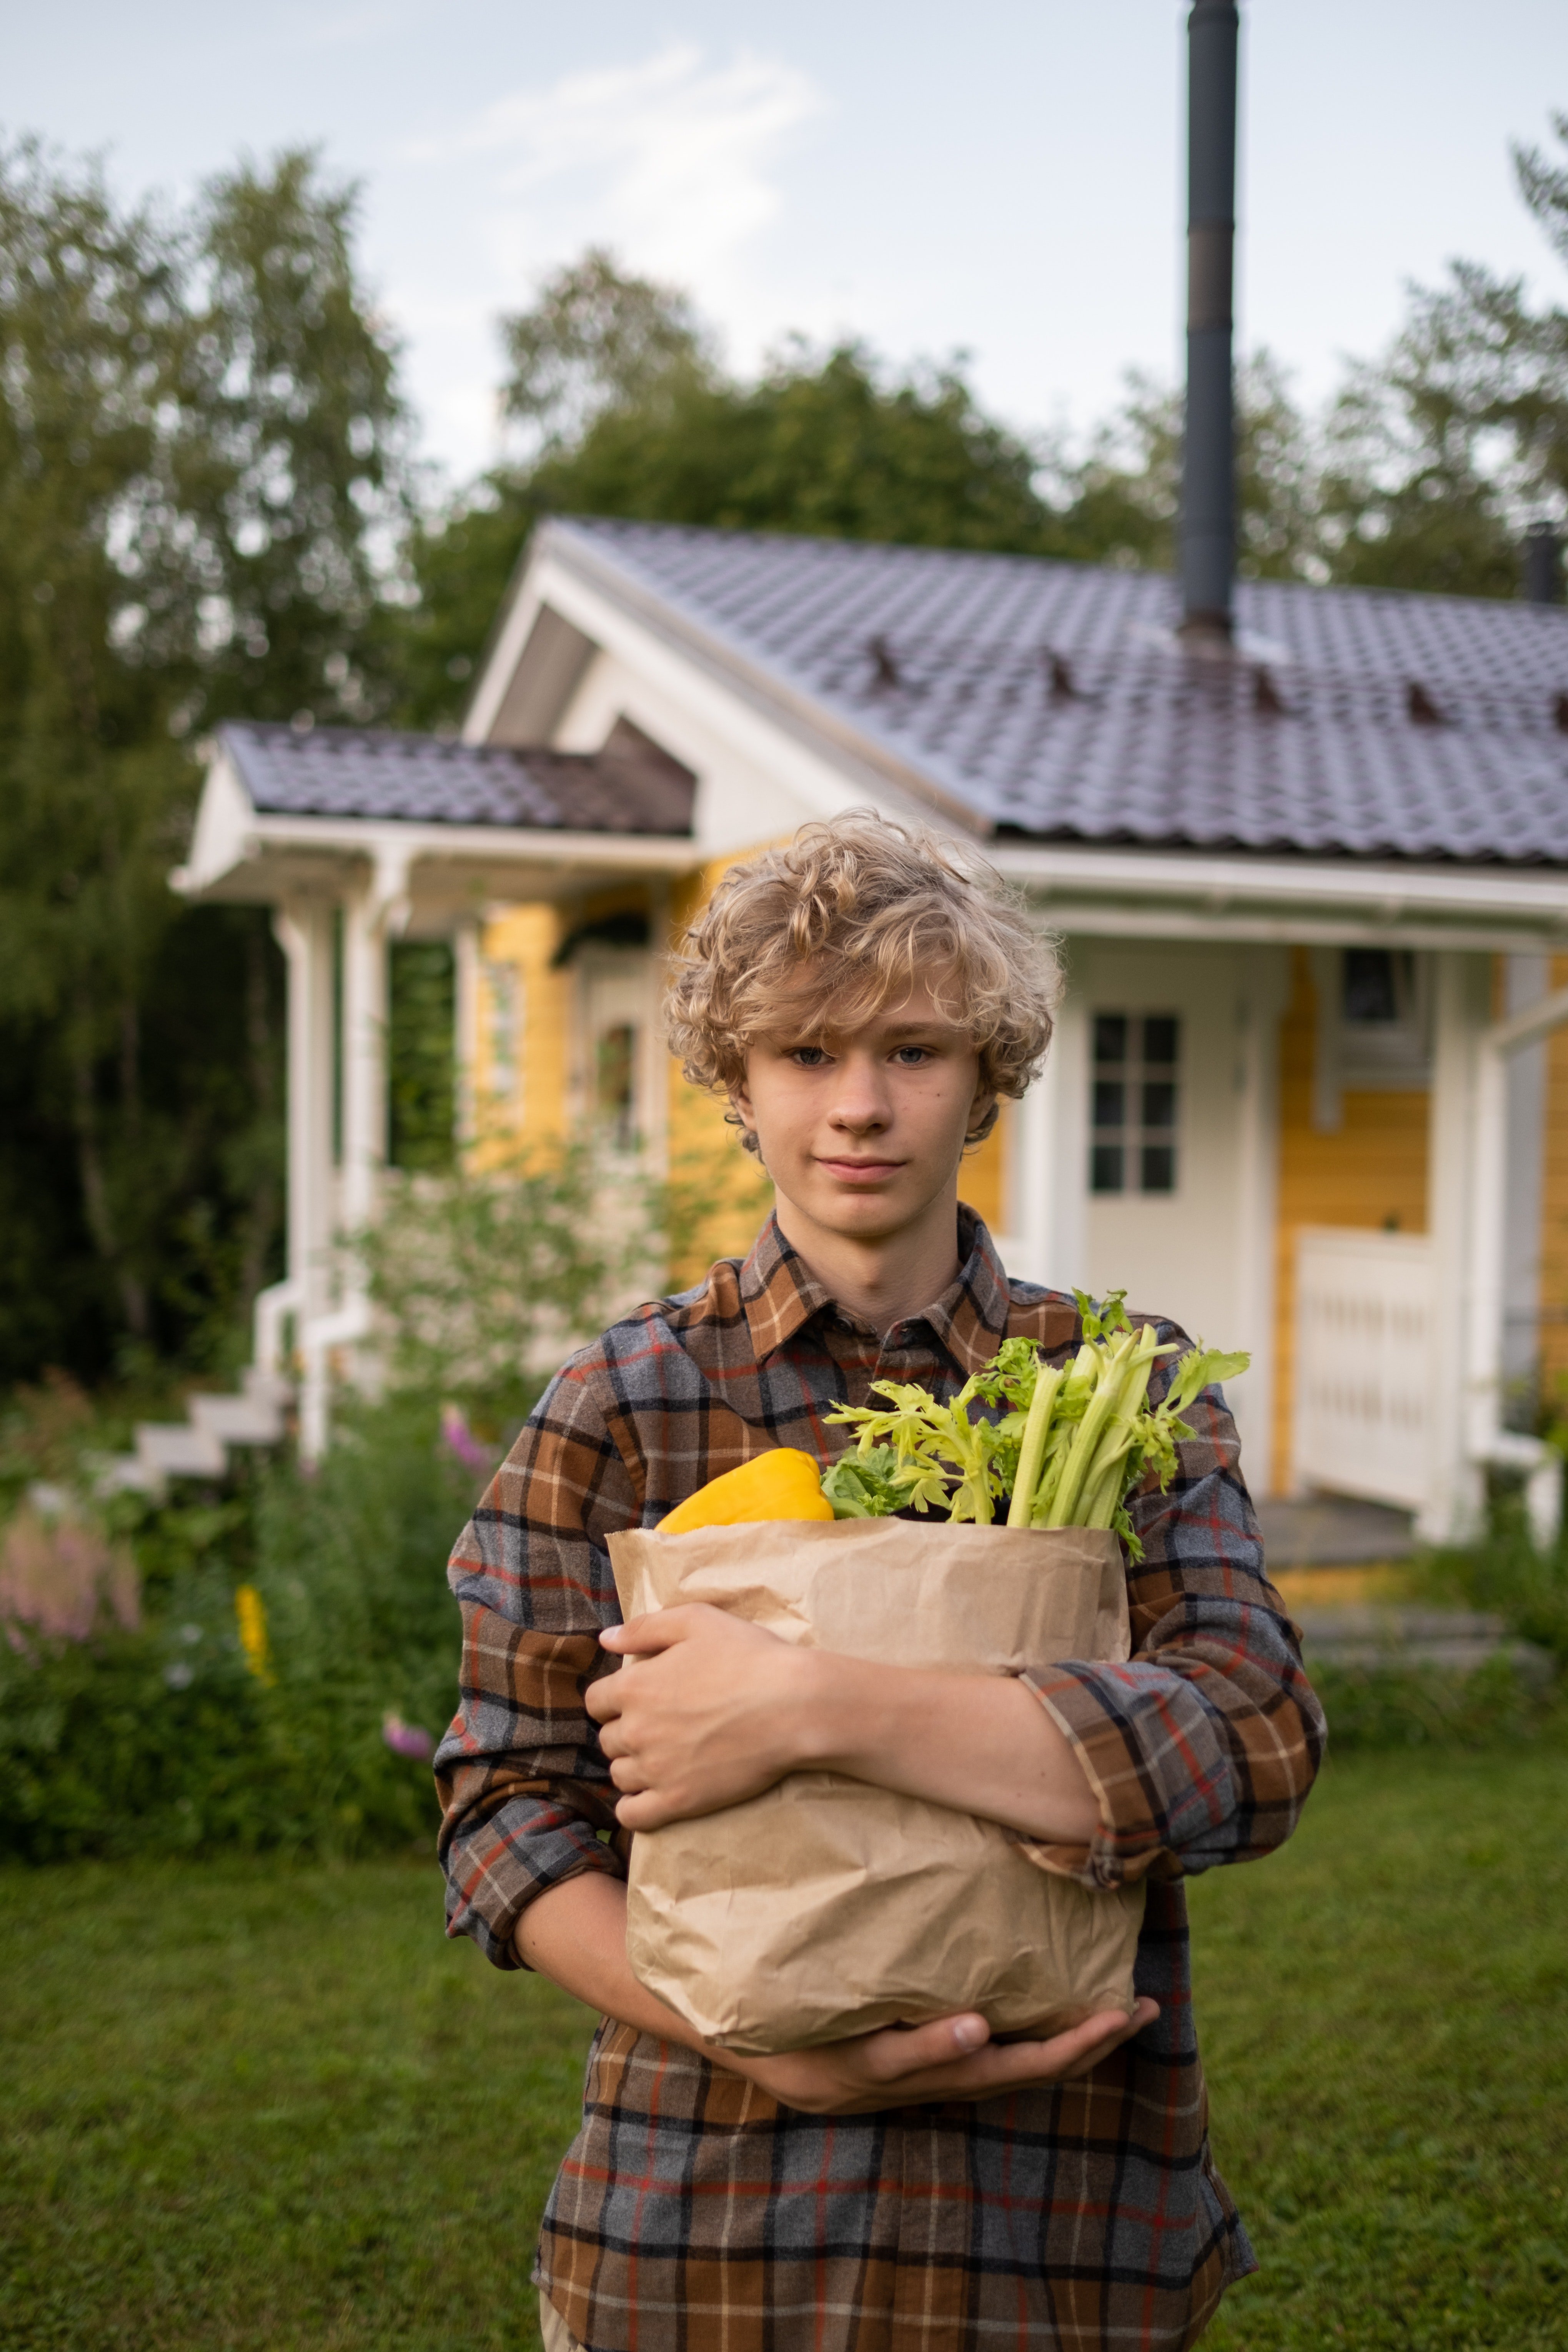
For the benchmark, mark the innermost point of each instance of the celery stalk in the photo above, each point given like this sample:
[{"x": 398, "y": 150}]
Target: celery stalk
[
  {"x": 1076, "y": 1468},
  {"x": 1032, "y": 1452}
]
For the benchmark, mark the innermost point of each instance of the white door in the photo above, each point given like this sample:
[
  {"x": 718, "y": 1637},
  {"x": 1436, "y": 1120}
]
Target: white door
[{"x": 1177, "y": 1056}]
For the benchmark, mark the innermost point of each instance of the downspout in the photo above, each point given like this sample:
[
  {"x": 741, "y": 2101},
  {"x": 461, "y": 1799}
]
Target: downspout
[{"x": 1207, "y": 538}]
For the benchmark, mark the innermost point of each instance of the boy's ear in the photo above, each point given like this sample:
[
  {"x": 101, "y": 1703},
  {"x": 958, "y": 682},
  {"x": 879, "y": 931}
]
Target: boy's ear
[
  {"x": 982, "y": 1113},
  {"x": 741, "y": 1104}
]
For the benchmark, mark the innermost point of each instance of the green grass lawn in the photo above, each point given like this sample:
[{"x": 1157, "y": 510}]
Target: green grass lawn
[{"x": 247, "y": 2105}]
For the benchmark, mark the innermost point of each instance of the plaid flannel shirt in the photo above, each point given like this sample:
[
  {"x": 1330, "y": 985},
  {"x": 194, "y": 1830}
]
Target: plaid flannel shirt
[{"x": 691, "y": 2210}]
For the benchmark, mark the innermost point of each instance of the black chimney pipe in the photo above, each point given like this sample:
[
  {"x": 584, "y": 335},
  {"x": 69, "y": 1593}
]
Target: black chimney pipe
[
  {"x": 1542, "y": 564},
  {"x": 1208, "y": 451}
]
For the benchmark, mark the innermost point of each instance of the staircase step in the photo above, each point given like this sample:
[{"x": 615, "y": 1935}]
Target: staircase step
[
  {"x": 174, "y": 1449},
  {"x": 238, "y": 1420}
]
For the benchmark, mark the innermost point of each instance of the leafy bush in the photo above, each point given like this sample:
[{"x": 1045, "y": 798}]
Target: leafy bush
[
  {"x": 160, "y": 1737},
  {"x": 132, "y": 1716},
  {"x": 485, "y": 1277},
  {"x": 1430, "y": 1706},
  {"x": 1504, "y": 1573}
]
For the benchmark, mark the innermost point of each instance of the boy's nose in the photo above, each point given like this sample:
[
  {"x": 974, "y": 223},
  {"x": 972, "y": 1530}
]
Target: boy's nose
[{"x": 860, "y": 1102}]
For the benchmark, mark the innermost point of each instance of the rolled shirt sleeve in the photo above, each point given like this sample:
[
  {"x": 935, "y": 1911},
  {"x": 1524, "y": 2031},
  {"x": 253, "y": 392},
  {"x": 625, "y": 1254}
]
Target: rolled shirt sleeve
[
  {"x": 526, "y": 1796},
  {"x": 1201, "y": 1746}
]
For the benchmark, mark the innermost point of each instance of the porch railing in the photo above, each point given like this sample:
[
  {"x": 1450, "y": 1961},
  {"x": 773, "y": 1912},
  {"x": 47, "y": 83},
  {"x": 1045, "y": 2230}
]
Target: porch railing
[{"x": 1363, "y": 1364}]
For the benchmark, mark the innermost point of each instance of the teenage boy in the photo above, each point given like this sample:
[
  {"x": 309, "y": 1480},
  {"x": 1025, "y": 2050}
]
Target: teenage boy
[{"x": 862, "y": 1000}]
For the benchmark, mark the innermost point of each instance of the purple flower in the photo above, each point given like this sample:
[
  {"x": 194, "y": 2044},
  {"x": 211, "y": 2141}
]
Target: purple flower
[
  {"x": 406, "y": 1738},
  {"x": 459, "y": 1439}
]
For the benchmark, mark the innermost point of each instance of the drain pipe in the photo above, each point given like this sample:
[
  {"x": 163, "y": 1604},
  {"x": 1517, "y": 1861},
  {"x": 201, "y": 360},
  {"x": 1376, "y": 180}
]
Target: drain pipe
[{"x": 1208, "y": 450}]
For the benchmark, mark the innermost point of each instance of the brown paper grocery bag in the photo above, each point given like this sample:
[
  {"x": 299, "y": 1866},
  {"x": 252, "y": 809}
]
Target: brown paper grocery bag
[{"x": 828, "y": 1907}]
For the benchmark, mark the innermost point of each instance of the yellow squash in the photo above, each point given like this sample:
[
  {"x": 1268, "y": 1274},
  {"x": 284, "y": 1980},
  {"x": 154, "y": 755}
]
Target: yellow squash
[{"x": 782, "y": 1485}]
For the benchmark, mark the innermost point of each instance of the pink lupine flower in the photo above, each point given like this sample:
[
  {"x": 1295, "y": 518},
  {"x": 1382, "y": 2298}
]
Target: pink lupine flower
[
  {"x": 406, "y": 1738},
  {"x": 459, "y": 1439}
]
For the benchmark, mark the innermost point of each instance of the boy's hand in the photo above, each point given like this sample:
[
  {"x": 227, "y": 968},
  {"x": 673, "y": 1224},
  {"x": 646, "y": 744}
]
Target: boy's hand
[
  {"x": 709, "y": 1717},
  {"x": 954, "y": 2058}
]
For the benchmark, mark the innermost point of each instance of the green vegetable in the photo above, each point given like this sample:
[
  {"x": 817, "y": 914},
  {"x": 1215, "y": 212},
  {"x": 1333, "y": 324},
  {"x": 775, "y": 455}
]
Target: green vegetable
[{"x": 1066, "y": 1447}]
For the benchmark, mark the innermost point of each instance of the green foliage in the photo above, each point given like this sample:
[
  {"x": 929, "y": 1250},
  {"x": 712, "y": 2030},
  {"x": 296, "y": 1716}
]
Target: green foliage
[
  {"x": 163, "y": 1739},
  {"x": 1506, "y": 1574},
  {"x": 1391, "y": 1707},
  {"x": 1118, "y": 502},
  {"x": 200, "y": 443},
  {"x": 1440, "y": 454},
  {"x": 485, "y": 1278},
  {"x": 421, "y": 1072},
  {"x": 598, "y": 339}
]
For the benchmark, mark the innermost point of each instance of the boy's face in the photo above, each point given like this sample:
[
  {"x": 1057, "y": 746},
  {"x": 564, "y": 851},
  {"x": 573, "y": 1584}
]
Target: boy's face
[{"x": 863, "y": 1131}]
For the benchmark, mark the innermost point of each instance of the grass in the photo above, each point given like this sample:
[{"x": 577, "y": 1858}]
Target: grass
[
  {"x": 247, "y": 2105},
  {"x": 1381, "y": 2014},
  {"x": 255, "y": 2106}
]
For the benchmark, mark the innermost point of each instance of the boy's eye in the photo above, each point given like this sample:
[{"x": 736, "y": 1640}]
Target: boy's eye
[
  {"x": 808, "y": 1057},
  {"x": 912, "y": 1057}
]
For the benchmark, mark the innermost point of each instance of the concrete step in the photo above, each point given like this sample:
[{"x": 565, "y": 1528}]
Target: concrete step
[
  {"x": 177, "y": 1449},
  {"x": 1331, "y": 1530},
  {"x": 1398, "y": 1634},
  {"x": 239, "y": 1419}
]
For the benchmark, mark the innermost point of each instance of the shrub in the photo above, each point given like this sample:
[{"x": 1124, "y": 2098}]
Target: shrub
[{"x": 161, "y": 1738}]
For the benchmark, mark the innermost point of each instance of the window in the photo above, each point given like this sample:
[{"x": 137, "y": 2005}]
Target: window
[
  {"x": 1377, "y": 987},
  {"x": 1134, "y": 1100}
]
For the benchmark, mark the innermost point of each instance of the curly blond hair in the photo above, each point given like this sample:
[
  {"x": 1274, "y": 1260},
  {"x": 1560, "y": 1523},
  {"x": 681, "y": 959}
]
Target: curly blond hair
[{"x": 860, "y": 909}]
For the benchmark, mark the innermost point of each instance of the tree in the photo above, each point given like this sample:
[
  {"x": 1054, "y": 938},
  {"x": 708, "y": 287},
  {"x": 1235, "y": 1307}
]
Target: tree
[
  {"x": 199, "y": 436},
  {"x": 597, "y": 341},
  {"x": 1441, "y": 453},
  {"x": 631, "y": 415},
  {"x": 1119, "y": 502}
]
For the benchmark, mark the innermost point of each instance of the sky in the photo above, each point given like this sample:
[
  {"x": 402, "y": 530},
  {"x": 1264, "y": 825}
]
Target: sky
[{"x": 1001, "y": 180}]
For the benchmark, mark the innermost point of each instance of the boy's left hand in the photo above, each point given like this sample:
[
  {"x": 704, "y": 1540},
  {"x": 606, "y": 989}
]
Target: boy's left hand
[{"x": 708, "y": 1719}]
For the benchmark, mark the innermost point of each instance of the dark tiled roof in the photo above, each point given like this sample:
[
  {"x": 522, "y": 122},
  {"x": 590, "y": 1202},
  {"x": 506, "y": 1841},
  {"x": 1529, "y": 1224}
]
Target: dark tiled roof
[
  {"x": 350, "y": 771},
  {"x": 946, "y": 660}
]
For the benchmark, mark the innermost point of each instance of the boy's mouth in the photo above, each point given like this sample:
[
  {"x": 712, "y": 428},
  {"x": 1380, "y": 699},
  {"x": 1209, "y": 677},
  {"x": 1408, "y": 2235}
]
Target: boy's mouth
[{"x": 860, "y": 1171}]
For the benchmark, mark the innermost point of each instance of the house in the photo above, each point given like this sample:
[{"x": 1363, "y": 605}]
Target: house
[{"x": 1309, "y": 1089}]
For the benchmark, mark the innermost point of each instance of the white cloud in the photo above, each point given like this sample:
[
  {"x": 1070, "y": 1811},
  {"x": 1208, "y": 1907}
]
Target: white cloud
[{"x": 671, "y": 160}]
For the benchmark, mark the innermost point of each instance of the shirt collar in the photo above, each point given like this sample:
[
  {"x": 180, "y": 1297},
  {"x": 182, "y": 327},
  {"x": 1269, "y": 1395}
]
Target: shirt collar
[{"x": 970, "y": 1320}]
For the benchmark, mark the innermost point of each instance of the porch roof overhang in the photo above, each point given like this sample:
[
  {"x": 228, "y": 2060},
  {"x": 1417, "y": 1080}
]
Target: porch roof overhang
[
  {"x": 439, "y": 871},
  {"x": 1181, "y": 894}
]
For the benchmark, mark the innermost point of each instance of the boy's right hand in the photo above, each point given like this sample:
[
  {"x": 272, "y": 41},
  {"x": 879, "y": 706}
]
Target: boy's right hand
[{"x": 952, "y": 2058}]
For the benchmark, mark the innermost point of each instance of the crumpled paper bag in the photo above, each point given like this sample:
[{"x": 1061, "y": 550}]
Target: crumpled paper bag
[{"x": 826, "y": 1908}]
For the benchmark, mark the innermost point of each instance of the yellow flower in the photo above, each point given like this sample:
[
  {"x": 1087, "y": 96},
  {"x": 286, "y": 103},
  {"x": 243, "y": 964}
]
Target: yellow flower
[{"x": 251, "y": 1611}]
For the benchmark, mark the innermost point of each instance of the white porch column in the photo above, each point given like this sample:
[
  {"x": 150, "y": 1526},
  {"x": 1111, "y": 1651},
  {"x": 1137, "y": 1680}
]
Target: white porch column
[
  {"x": 377, "y": 912},
  {"x": 304, "y": 929},
  {"x": 1048, "y": 1174},
  {"x": 377, "y": 909},
  {"x": 1465, "y": 1201}
]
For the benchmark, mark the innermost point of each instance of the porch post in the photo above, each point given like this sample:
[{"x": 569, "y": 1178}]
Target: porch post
[
  {"x": 304, "y": 929},
  {"x": 1464, "y": 1217},
  {"x": 1048, "y": 1175},
  {"x": 376, "y": 911}
]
